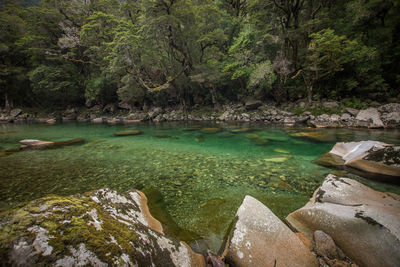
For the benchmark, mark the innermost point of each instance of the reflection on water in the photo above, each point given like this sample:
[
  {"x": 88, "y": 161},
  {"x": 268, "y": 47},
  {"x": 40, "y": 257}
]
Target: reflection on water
[{"x": 195, "y": 175}]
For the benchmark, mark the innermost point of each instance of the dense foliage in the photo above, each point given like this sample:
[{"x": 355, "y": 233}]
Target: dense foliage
[{"x": 205, "y": 52}]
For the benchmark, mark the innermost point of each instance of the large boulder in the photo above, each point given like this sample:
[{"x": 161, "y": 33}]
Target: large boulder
[
  {"x": 101, "y": 228},
  {"x": 252, "y": 104},
  {"x": 371, "y": 116},
  {"x": 372, "y": 159},
  {"x": 364, "y": 223},
  {"x": 15, "y": 112},
  {"x": 391, "y": 120},
  {"x": 259, "y": 238}
]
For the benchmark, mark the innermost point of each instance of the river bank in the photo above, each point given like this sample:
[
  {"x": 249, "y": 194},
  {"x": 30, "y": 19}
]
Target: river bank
[{"x": 328, "y": 114}]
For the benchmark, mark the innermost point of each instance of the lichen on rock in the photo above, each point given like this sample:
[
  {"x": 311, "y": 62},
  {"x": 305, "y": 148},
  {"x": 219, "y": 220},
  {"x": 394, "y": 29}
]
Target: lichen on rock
[{"x": 100, "y": 228}]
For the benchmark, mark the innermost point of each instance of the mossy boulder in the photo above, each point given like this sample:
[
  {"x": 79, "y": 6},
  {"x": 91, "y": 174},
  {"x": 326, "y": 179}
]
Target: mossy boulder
[
  {"x": 101, "y": 228},
  {"x": 128, "y": 133}
]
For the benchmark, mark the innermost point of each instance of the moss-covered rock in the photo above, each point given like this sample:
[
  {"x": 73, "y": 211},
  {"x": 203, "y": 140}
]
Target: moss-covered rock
[
  {"x": 260, "y": 141},
  {"x": 252, "y": 136},
  {"x": 101, "y": 228}
]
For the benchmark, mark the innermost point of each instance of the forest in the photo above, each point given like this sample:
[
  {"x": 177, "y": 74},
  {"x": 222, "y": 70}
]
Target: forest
[{"x": 138, "y": 53}]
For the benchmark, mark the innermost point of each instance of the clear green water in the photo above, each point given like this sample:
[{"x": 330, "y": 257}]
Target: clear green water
[{"x": 195, "y": 181}]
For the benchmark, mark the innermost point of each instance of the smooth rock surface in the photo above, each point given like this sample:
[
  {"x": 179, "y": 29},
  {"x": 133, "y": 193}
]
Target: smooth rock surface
[
  {"x": 100, "y": 228},
  {"x": 35, "y": 144},
  {"x": 372, "y": 116},
  {"x": 364, "y": 223},
  {"x": 97, "y": 120},
  {"x": 372, "y": 159},
  {"x": 259, "y": 238}
]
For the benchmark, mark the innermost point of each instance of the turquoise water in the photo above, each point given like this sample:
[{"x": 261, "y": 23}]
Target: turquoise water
[{"x": 195, "y": 180}]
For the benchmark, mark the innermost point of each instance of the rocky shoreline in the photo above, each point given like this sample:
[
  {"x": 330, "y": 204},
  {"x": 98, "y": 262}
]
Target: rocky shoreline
[
  {"x": 378, "y": 116},
  {"x": 344, "y": 224}
]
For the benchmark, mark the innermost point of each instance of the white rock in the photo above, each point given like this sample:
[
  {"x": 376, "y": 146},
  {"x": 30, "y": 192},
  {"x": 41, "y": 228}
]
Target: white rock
[
  {"x": 259, "y": 238},
  {"x": 364, "y": 223},
  {"x": 370, "y": 115}
]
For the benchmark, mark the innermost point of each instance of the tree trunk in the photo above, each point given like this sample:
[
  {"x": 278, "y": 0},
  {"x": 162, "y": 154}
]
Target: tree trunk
[
  {"x": 309, "y": 94},
  {"x": 214, "y": 98},
  {"x": 6, "y": 102}
]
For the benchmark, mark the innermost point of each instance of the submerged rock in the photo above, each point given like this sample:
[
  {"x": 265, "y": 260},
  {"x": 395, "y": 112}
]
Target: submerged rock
[
  {"x": 162, "y": 135},
  {"x": 69, "y": 142},
  {"x": 369, "y": 158},
  {"x": 279, "y": 159},
  {"x": 35, "y": 144},
  {"x": 210, "y": 130},
  {"x": 101, "y": 228},
  {"x": 241, "y": 130},
  {"x": 320, "y": 136},
  {"x": 364, "y": 223},
  {"x": 127, "y": 133},
  {"x": 38, "y": 144},
  {"x": 281, "y": 150},
  {"x": 199, "y": 138},
  {"x": 252, "y": 136},
  {"x": 226, "y": 135},
  {"x": 259, "y": 238},
  {"x": 260, "y": 141}
]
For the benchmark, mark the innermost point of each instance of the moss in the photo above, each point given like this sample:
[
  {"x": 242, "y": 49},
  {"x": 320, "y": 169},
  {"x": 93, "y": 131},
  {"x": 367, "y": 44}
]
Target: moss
[
  {"x": 316, "y": 111},
  {"x": 388, "y": 156}
]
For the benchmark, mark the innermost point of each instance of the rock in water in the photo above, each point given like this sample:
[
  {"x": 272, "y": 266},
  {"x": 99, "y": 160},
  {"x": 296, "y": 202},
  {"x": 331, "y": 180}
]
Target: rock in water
[
  {"x": 372, "y": 159},
  {"x": 69, "y": 142},
  {"x": 102, "y": 228},
  {"x": 364, "y": 223},
  {"x": 127, "y": 133},
  {"x": 259, "y": 238},
  {"x": 35, "y": 144},
  {"x": 210, "y": 130}
]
